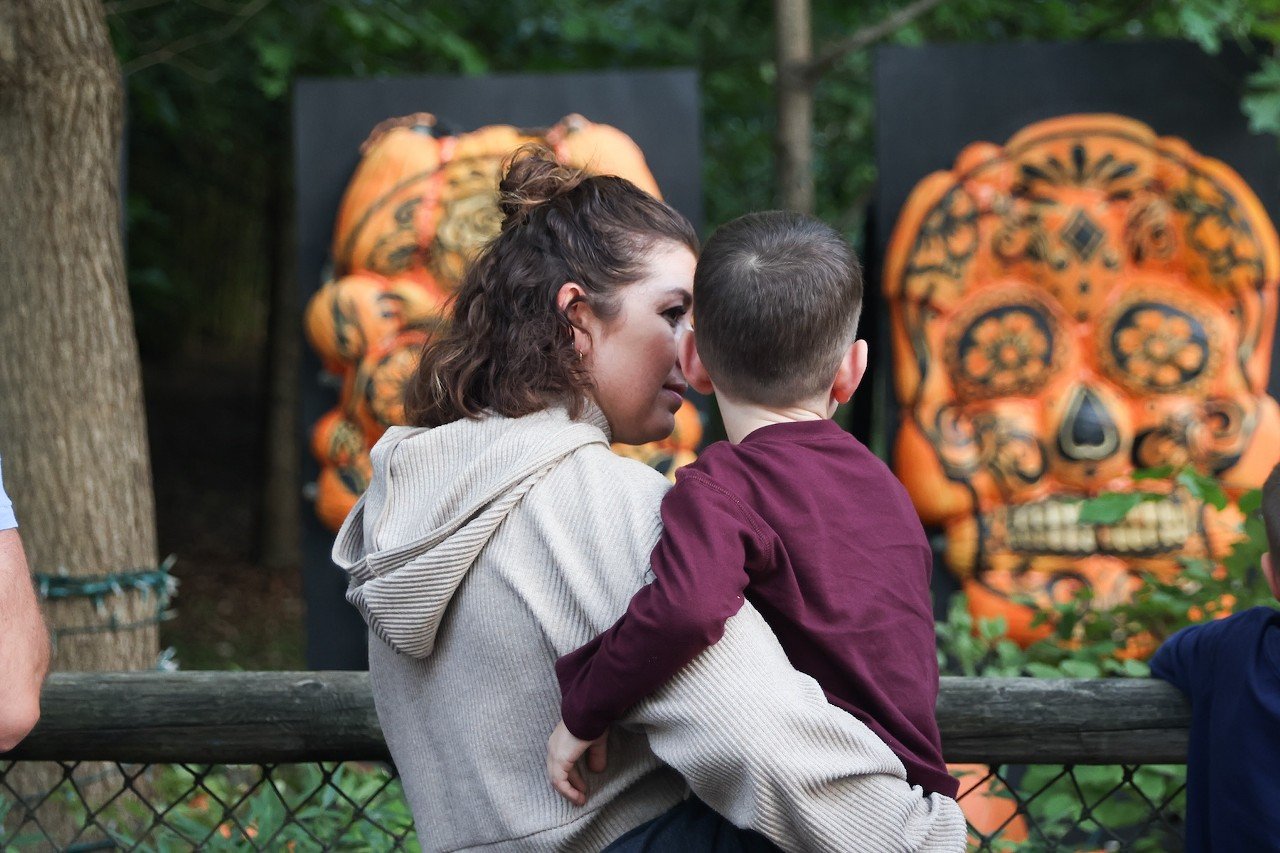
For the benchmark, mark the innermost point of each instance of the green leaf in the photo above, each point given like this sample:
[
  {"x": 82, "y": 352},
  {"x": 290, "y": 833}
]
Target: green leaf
[
  {"x": 1263, "y": 111},
  {"x": 1109, "y": 508},
  {"x": 1200, "y": 28},
  {"x": 992, "y": 629},
  {"x": 1204, "y": 488},
  {"x": 1040, "y": 670},
  {"x": 1250, "y": 501},
  {"x": 1080, "y": 669},
  {"x": 1136, "y": 668},
  {"x": 1163, "y": 472}
]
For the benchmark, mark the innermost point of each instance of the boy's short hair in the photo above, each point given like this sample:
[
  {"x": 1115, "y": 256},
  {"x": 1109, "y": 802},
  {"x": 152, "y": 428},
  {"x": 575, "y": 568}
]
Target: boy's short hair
[
  {"x": 1271, "y": 514},
  {"x": 776, "y": 299}
]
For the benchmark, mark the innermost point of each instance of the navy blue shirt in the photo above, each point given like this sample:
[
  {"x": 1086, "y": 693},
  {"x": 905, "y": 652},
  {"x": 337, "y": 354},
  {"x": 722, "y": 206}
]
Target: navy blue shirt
[{"x": 1230, "y": 671}]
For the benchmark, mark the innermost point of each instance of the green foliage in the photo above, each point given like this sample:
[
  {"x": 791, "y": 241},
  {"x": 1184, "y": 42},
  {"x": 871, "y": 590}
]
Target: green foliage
[
  {"x": 1087, "y": 641},
  {"x": 1250, "y": 23},
  {"x": 1112, "y": 507},
  {"x": 209, "y": 84},
  {"x": 1099, "y": 804}
]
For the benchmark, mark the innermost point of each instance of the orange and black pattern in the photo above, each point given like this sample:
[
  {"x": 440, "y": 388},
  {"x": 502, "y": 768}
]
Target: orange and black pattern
[{"x": 1085, "y": 301}]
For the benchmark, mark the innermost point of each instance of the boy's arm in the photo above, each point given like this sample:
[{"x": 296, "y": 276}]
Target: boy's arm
[{"x": 700, "y": 570}]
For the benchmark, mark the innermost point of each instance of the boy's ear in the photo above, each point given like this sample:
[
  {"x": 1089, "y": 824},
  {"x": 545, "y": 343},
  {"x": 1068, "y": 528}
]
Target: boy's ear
[
  {"x": 572, "y": 302},
  {"x": 849, "y": 374},
  {"x": 691, "y": 364},
  {"x": 1269, "y": 572}
]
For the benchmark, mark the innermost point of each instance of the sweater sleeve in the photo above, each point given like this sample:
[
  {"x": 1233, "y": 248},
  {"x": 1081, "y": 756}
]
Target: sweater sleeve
[
  {"x": 759, "y": 743},
  {"x": 700, "y": 570}
]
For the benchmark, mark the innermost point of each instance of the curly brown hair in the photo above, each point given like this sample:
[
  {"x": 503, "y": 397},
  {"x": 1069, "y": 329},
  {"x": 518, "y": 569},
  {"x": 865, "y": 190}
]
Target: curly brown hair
[{"x": 509, "y": 349}]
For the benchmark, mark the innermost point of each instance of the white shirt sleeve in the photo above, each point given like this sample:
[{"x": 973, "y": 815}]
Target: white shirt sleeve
[{"x": 7, "y": 519}]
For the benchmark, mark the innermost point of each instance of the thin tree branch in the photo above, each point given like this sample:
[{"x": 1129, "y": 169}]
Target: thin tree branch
[
  {"x": 220, "y": 6},
  {"x": 197, "y": 72},
  {"x": 182, "y": 45},
  {"x": 124, "y": 7},
  {"x": 865, "y": 37}
]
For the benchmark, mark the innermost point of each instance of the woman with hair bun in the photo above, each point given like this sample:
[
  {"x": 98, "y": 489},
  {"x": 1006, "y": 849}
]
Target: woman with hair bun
[{"x": 500, "y": 532}]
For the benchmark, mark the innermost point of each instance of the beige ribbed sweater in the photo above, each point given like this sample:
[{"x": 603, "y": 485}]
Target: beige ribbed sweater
[{"x": 482, "y": 551}]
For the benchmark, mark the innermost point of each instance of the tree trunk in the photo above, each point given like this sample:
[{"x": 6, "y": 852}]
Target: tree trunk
[
  {"x": 793, "y": 136},
  {"x": 72, "y": 429}
]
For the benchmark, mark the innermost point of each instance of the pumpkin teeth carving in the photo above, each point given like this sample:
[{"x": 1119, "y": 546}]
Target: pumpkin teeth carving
[{"x": 1052, "y": 527}]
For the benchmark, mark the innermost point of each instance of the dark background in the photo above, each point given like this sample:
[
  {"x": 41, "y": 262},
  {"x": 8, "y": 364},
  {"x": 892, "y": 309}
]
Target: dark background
[{"x": 658, "y": 109}]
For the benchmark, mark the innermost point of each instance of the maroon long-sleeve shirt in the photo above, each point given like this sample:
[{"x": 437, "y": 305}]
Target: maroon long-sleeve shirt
[{"x": 816, "y": 532}]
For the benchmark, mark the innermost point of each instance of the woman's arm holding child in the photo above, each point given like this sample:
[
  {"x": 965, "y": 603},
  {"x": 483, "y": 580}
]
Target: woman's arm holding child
[{"x": 700, "y": 568}]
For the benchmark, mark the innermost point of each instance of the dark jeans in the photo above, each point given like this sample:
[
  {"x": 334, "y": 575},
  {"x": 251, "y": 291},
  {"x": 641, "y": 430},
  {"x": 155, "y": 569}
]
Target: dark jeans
[{"x": 690, "y": 826}]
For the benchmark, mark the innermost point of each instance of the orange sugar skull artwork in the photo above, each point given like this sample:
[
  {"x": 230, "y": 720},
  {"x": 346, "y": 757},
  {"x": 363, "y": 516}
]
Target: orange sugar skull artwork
[
  {"x": 419, "y": 206},
  {"x": 1088, "y": 300}
]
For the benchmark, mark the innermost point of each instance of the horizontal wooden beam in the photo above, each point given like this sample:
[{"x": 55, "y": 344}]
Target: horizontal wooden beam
[
  {"x": 205, "y": 718},
  {"x": 1062, "y": 721},
  {"x": 275, "y": 717}
]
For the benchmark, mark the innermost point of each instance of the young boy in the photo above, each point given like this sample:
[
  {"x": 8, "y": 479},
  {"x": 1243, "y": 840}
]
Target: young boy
[
  {"x": 792, "y": 513},
  {"x": 1230, "y": 671}
]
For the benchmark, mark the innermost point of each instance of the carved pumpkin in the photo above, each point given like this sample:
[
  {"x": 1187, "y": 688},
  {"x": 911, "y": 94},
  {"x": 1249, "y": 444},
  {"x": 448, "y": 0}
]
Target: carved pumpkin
[
  {"x": 1085, "y": 301},
  {"x": 376, "y": 400},
  {"x": 374, "y": 229},
  {"x": 601, "y": 150},
  {"x": 348, "y": 316},
  {"x": 339, "y": 444},
  {"x": 418, "y": 207}
]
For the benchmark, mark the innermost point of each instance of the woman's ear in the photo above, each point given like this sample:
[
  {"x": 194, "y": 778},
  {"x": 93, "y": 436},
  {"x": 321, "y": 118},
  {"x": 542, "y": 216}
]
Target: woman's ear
[
  {"x": 571, "y": 300},
  {"x": 691, "y": 364},
  {"x": 849, "y": 374}
]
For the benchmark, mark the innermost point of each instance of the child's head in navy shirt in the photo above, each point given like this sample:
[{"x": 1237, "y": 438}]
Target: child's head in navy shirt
[
  {"x": 1271, "y": 520},
  {"x": 776, "y": 301}
]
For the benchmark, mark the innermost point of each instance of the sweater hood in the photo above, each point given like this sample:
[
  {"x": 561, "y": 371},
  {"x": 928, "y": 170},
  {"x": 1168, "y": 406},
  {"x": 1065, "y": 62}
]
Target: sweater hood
[{"x": 436, "y": 497}]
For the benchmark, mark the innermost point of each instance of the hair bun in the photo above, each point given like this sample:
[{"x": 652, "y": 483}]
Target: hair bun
[{"x": 533, "y": 177}]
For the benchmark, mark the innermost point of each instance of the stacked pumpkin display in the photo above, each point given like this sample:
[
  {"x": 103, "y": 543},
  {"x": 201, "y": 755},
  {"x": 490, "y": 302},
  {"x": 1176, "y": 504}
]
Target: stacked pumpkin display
[{"x": 418, "y": 207}]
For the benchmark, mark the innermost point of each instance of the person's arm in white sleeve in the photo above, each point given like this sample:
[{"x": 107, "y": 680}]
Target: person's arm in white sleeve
[{"x": 759, "y": 743}]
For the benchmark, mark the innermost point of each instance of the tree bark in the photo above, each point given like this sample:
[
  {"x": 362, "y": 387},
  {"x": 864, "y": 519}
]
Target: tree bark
[
  {"x": 793, "y": 136},
  {"x": 798, "y": 74},
  {"x": 72, "y": 428}
]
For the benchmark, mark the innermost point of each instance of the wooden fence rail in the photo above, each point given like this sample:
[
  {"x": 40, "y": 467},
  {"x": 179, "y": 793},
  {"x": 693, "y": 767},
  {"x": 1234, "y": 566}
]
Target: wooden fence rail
[{"x": 277, "y": 717}]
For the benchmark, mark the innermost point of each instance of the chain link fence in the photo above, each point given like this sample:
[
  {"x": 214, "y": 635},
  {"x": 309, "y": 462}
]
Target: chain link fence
[
  {"x": 295, "y": 761},
  {"x": 294, "y": 807},
  {"x": 359, "y": 806}
]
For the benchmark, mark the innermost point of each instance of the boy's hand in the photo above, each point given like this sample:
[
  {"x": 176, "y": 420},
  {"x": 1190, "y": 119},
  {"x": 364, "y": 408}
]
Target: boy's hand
[{"x": 563, "y": 752}]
